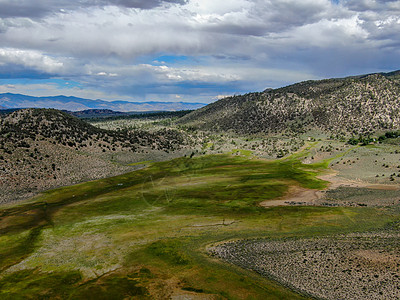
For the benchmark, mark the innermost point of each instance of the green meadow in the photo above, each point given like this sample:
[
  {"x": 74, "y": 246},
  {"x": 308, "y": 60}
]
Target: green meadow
[{"x": 144, "y": 235}]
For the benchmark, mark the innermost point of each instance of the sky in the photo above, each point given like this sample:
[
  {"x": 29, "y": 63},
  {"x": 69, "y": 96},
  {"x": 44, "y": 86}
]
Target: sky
[{"x": 189, "y": 50}]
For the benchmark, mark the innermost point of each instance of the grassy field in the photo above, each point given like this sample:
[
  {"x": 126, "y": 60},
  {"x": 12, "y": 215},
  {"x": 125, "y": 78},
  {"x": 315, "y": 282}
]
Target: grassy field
[{"x": 145, "y": 234}]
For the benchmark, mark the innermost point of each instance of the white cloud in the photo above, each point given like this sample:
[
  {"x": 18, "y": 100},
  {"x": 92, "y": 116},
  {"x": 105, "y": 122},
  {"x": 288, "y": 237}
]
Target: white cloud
[
  {"x": 31, "y": 59},
  {"x": 218, "y": 97},
  {"x": 328, "y": 33}
]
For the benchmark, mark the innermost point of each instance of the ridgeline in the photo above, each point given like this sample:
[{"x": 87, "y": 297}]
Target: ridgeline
[{"x": 352, "y": 105}]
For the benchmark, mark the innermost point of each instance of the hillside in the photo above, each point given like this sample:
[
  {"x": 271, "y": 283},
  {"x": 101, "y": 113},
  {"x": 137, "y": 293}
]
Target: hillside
[
  {"x": 100, "y": 113},
  {"x": 106, "y": 114},
  {"x": 353, "y": 105},
  {"x": 9, "y": 100},
  {"x": 46, "y": 148}
]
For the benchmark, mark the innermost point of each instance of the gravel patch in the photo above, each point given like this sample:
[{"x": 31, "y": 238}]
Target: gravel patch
[{"x": 358, "y": 266}]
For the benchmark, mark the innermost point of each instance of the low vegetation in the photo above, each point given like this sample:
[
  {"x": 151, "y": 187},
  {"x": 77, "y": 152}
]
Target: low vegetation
[
  {"x": 144, "y": 234},
  {"x": 346, "y": 106},
  {"x": 45, "y": 148},
  {"x": 354, "y": 266}
]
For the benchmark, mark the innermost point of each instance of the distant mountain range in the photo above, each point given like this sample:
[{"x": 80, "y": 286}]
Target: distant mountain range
[
  {"x": 353, "y": 105},
  {"x": 9, "y": 100}
]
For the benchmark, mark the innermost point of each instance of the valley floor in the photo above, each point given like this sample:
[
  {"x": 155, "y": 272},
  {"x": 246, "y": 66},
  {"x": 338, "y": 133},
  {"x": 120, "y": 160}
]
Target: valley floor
[{"x": 193, "y": 227}]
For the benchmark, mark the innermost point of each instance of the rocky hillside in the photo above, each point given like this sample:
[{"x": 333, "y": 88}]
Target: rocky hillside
[
  {"x": 46, "y": 148},
  {"x": 352, "y": 105}
]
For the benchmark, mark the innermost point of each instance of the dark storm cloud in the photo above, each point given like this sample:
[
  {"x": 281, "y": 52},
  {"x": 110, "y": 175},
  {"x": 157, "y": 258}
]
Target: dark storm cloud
[
  {"x": 148, "y": 4},
  {"x": 237, "y": 29},
  {"x": 287, "y": 14},
  {"x": 10, "y": 71},
  {"x": 371, "y": 5},
  {"x": 269, "y": 16},
  {"x": 37, "y": 9}
]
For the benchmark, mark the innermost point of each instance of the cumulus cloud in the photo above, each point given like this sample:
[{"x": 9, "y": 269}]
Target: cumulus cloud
[{"x": 29, "y": 59}]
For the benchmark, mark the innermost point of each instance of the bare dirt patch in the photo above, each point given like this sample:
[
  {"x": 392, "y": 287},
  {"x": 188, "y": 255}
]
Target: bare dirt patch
[
  {"x": 295, "y": 196},
  {"x": 301, "y": 196}
]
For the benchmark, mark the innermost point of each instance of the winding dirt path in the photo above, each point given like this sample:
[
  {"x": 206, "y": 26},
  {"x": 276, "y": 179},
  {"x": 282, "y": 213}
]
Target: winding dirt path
[{"x": 301, "y": 196}]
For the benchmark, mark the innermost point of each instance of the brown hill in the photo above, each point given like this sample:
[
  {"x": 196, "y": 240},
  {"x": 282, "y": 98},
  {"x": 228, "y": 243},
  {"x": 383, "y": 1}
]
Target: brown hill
[
  {"x": 46, "y": 148},
  {"x": 352, "y": 105}
]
